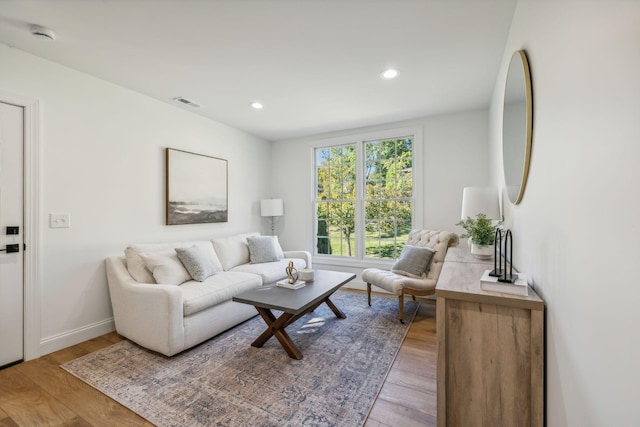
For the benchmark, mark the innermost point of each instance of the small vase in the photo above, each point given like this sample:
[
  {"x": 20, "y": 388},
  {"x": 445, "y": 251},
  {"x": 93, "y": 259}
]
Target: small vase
[{"x": 482, "y": 251}]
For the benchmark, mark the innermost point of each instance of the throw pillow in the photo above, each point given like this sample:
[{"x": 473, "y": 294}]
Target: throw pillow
[
  {"x": 197, "y": 261},
  {"x": 414, "y": 261},
  {"x": 165, "y": 267},
  {"x": 262, "y": 249}
]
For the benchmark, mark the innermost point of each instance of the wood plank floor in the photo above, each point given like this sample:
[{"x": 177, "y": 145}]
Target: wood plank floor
[{"x": 39, "y": 393}]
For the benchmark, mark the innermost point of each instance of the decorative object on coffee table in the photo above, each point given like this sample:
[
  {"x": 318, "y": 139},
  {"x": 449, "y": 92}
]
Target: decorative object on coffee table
[
  {"x": 292, "y": 273},
  {"x": 196, "y": 188},
  {"x": 306, "y": 275}
]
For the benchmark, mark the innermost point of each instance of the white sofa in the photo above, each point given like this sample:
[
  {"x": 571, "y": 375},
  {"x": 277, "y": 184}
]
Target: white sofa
[{"x": 169, "y": 318}]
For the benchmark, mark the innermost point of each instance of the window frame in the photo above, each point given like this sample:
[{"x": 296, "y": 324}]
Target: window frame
[{"x": 359, "y": 139}]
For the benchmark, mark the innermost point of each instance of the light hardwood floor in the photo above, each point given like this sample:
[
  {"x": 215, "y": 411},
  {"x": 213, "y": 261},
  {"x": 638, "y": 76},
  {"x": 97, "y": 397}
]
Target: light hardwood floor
[{"x": 40, "y": 393}]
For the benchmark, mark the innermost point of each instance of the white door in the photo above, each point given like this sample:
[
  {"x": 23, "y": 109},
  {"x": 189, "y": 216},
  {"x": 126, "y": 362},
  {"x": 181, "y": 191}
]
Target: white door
[{"x": 11, "y": 233}]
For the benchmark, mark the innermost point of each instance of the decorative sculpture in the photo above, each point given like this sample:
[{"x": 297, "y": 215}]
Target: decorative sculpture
[
  {"x": 497, "y": 255},
  {"x": 510, "y": 276},
  {"x": 292, "y": 273}
]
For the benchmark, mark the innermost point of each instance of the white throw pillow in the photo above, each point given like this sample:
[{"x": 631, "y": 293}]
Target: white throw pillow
[{"x": 165, "y": 267}]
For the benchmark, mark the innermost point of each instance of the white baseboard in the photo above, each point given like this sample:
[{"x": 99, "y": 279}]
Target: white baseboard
[{"x": 75, "y": 336}]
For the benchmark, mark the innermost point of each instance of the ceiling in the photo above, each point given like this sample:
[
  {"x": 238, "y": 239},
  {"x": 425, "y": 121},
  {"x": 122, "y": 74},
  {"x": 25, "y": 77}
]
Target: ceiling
[{"x": 314, "y": 64}]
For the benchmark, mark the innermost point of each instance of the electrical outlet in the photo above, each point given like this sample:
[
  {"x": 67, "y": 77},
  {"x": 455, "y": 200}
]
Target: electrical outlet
[{"x": 59, "y": 220}]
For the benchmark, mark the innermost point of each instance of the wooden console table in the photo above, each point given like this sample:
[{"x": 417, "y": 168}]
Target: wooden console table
[{"x": 490, "y": 349}]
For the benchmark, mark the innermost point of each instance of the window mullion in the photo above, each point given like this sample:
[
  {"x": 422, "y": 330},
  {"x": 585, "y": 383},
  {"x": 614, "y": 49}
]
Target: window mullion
[{"x": 360, "y": 192}]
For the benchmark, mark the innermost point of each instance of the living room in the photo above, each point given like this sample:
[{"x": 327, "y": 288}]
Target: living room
[{"x": 99, "y": 156}]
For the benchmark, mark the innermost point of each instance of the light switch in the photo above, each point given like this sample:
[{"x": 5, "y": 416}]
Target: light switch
[{"x": 59, "y": 220}]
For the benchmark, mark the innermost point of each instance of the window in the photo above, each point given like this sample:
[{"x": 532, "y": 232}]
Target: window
[{"x": 364, "y": 198}]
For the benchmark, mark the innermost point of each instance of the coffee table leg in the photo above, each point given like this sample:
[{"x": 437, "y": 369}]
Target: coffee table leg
[
  {"x": 275, "y": 326},
  {"x": 339, "y": 314}
]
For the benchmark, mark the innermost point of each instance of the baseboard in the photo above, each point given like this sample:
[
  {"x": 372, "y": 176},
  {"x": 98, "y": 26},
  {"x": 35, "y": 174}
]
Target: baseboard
[{"x": 75, "y": 336}]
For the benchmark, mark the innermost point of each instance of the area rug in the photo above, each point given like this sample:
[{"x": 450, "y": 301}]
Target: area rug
[{"x": 226, "y": 382}]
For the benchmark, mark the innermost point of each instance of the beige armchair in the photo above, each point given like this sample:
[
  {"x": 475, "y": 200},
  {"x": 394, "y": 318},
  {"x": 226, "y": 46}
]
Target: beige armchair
[{"x": 399, "y": 284}]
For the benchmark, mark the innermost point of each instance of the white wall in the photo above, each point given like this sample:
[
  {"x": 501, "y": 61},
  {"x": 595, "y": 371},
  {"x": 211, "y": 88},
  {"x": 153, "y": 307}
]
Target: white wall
[
  {"x": 103, "y": 162},
  {"x": 576, "y": 229},
  {"x": 455, "y": 156}
]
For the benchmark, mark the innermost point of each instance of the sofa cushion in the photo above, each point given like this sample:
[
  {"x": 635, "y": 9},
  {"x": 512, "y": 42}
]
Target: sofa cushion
[
  {"x": 413, "y": 262},
  {"x": 165, "y": 267},
  {"x": 216, "y": 289},
  {"x": 233, "y": 250},
  {"x": 137, "y": 268},
  {"x": 271, "y": 271},
  {"x": 262, "y": 249},
  {"x": 197, "y": 261}
]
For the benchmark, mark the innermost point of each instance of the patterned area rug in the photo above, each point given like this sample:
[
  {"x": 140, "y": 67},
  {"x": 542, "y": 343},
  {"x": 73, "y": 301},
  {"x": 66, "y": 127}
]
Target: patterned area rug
[{"x": 226, "y": 382}]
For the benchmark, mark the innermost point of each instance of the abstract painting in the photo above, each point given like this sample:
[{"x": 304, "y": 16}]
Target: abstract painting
[{"x": 196, "y": 188}]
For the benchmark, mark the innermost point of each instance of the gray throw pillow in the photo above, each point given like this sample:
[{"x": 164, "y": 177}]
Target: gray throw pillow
[
  {"x": 262, "y": 249},
  {"x": 197, "y": 262},
  {"x": 414, "y": 262}
]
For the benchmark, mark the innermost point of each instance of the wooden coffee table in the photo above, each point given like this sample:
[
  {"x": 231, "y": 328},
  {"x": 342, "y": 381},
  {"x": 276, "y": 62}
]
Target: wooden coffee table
[{"x": 294, "y": 304}]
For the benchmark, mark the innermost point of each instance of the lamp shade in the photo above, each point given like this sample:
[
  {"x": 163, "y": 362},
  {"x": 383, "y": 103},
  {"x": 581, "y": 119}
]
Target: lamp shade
[
  {"x": 271, "y": 207},
  {"x": 476, "y": 200}
]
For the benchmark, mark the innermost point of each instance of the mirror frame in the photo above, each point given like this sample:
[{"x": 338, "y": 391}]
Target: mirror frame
[{"x": 519, "y": 55}]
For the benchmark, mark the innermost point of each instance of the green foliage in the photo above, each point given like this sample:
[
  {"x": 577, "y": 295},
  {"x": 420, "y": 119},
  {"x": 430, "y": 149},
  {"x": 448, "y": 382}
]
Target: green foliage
[
  {"x": 481, "y": 230},
  {"x": 336, "y": 182},
  {"x": 388, "y": 192},
  {"x": 388, "y": 251}
]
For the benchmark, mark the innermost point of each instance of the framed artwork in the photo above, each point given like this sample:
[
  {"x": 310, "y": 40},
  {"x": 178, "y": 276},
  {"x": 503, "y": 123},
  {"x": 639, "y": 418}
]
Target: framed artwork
[{"x": 197, "y": 188}]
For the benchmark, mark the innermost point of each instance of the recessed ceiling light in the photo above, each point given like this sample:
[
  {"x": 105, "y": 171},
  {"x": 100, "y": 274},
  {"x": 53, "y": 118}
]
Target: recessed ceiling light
[
  {"x": 256, "y": 105},
  {"x": 389, "y": 74}
]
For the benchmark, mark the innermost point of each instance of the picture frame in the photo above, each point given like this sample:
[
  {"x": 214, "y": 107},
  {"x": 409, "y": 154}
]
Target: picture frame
[{"x": 196, "y": 188}]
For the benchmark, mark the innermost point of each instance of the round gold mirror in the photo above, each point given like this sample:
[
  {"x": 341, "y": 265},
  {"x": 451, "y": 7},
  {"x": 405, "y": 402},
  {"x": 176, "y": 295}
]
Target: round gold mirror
[{"x": 517, "y": 126}]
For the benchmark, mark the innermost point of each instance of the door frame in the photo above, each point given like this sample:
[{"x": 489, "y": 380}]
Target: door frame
[{"x": 31, "y": 225}]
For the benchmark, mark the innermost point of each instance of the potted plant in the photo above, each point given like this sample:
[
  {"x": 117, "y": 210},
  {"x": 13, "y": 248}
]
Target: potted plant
[{"x": 481, "y": 233}]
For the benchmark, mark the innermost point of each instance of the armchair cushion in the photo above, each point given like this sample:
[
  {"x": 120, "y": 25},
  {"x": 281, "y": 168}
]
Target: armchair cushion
[
  {"x": 413, "y": 262},
  {"x": 395, "y": 283}
]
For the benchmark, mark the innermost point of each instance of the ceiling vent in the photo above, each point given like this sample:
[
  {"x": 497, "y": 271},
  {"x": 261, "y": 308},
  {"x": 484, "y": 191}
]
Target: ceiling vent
[
  {"x": 42, "y": 33},
  {"x": 187, "y": 102}
]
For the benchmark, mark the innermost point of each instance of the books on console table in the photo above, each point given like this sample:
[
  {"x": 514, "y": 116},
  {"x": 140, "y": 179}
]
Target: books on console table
[
  {"x": 285, "y": 284},
  {"x": 519, "y": 287}
]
